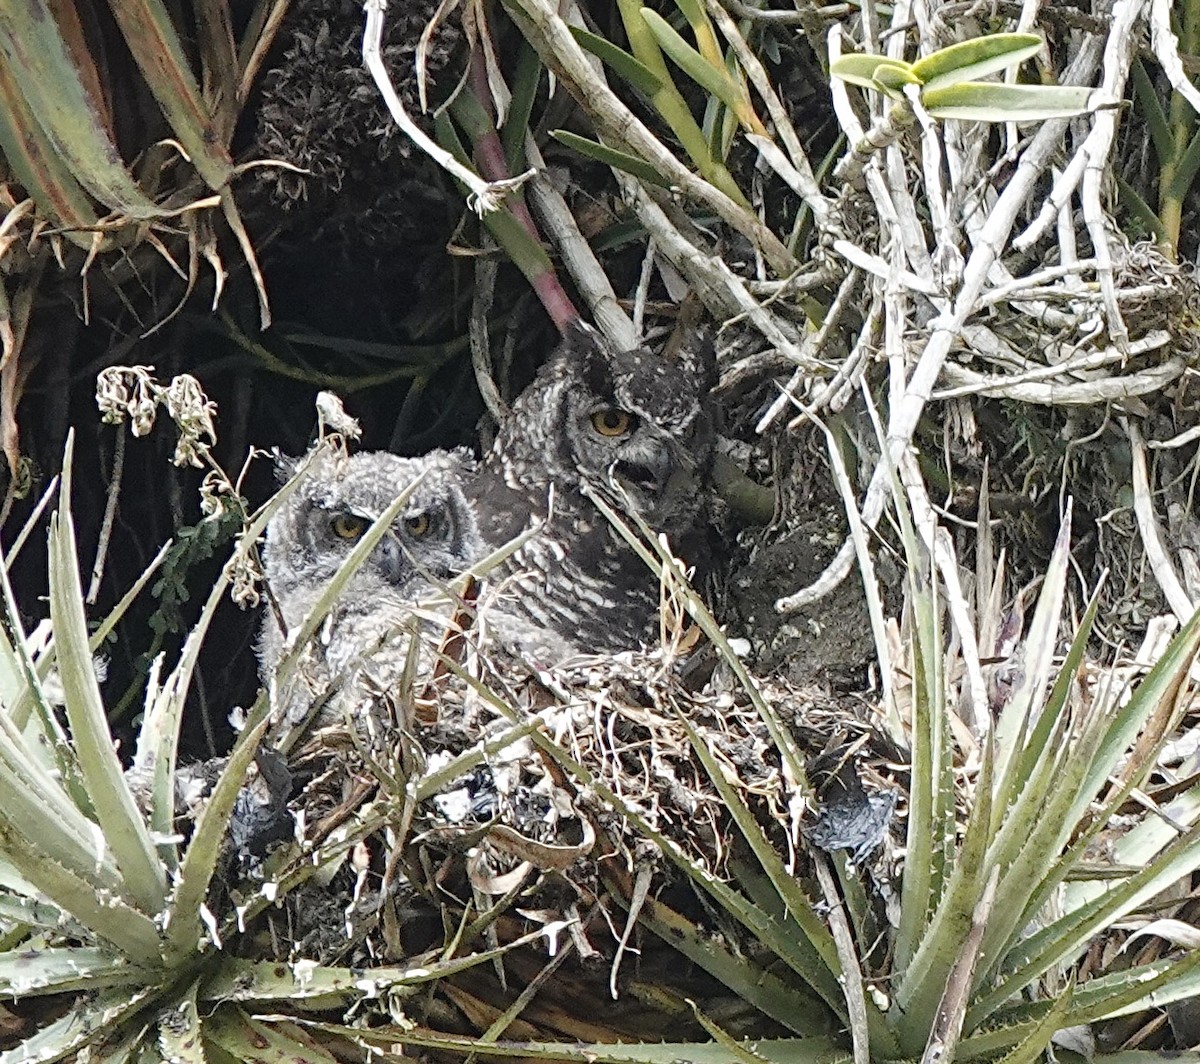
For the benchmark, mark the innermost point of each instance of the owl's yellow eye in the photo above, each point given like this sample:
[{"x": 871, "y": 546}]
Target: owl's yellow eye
[
  {"x": 612, "y": 422},
  {"x": 347, "y": 526},
  {"x": 417, "y": 525}
]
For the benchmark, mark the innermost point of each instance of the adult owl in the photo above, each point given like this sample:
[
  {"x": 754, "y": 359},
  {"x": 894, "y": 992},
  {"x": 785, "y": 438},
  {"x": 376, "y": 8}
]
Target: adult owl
[
  {"x": 634, "y": 426},
  {"x": 359, "y": 654}
]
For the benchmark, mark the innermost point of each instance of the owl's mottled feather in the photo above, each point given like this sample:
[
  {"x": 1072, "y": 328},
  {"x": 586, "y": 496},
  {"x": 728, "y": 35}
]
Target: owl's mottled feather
[
  {"x": 361, "y": 649},
  {"x": 605, "y": 418}
]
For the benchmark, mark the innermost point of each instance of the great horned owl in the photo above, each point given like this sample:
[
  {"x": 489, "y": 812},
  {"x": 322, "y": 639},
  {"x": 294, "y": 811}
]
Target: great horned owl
[
  {"x": 601, "y": 417},
  {"x": 360, "y": 651}
]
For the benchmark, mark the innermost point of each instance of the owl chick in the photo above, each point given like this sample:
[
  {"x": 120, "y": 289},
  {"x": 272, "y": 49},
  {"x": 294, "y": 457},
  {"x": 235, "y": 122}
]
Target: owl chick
[
  {"x": 634, "y": 426},
  {"x": 360, "y": 651}
]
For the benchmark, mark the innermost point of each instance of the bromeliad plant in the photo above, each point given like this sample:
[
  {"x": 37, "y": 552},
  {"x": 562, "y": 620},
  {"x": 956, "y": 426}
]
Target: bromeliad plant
[
  {"x": 1001, "y": 893},
  {"x": 104, "y": 906},
  {"x": 58, "y": 134}
]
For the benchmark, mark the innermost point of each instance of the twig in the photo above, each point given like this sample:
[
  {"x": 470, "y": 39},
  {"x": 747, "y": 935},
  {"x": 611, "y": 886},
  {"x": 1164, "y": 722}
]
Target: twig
[
  {"x": 637, "y": 898},
  {"x": 892, "y": 219},
  {"x": 576, "y": 253},
  {"x": 477, "y": 329},
  {"x": 1156, "y": 551},
  {"x": 643, "y": 291},
  {"x": 947, "y": 258},
  {"x": 1035, "y": 285},
  {"x": 851, "y": 980},
  {"x": 812, "y": 347},
  {"x": 1165, "y": 45},
  {"x": 1081, "y": 393},
  {"x": 758, "y": 14},
  {"x": 1069, "y": 392},
  {"x": 802, "y": 180},
  {"x": 882, "y": 134},
  {"x": 110, "y": 513},
  {"x": 801, "y": 183},
  {"x": 907, "y": 408},
  {"x": 549, "y": 33},
  {"x": 251, "y": 64},
  {"x": 835, "y": 393},
  {"x": 485, "y": 196},
  {"x": 719, "y": 288},
  {"x": 952, "y": 1009},
  {"x": 1096, "y": 145},
  {"x": 873, "y": 264}
]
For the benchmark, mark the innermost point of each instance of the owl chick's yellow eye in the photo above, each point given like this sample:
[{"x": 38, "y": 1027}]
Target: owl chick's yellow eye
[
  {"x": 347, "y": 526},
  {"x": 612, "y": 422},
  {"x": 417, "y": 525}
]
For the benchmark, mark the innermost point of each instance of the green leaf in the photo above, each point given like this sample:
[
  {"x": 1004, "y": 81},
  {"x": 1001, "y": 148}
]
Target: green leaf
[
  {"x": 710, "y": 78},
  {"x": 927, "y": 834},
  {"x": 1061, "y": 940},
  {"x": 26, "y": 973},
  {"x": 698, "y": 20},
  {"x": 618, "y": 160},
  {"x": 184, "y": 928},
  {"x": 797, "y": 905},
  {"x": 674, "y": 109},
  {"x": 19, "y": 904},
  {"x": 1144, "y": 986},
  {"x": 859, "y": 68},
  {"x": 525, "y": 81},
  {"x": 41, "y": 170},
  {"x": 247, "y": 1039},
  {"x": 125, "y": 831},
  {"x": 975, "y": 59},
  {"x": 525, "y": 251},
  {"x": 923, "y": 981},
  {"x": 1187, "y": 166},
  {"x": 1152, "y": 112},
  {"x": 158, "y": 52},
  {"x": 1016, "y": 754},
  {"x": 179, "y": 1037},
  {"x": 321, "y": 987},
  {"x": 640, "y": 76},
  {"x": 34, "y": 803},
  {"x": 130, "y": 931},
  {"x": 92, "y": 1019},
  {"x": 811, "y": 1050},
  {"x": 750, "y": 982},
  {"x": 35, "y": 53},
  {"x": 970, "y": 102},
  {"x": 1033, "y": 1046},
  {"x": 892, "y": 79}
]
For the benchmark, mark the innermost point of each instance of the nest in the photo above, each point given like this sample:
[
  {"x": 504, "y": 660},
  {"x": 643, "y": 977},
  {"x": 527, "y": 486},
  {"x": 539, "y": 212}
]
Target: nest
[{"x": 554, "y": 808}]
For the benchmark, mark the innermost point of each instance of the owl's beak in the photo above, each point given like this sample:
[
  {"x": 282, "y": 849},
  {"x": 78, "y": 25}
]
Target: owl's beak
[
  {"x": 390, "y": 560},
  {"x": 649, "y": 477}
]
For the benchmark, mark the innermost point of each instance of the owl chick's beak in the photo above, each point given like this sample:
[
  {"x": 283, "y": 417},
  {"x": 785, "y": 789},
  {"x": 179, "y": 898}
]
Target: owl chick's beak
[{"x": 391, "y": 561}]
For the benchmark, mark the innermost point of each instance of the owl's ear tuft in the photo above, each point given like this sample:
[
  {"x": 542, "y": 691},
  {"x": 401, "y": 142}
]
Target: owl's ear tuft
[
  {"x": 285, "y": 465},
  {"x": 584, "y": 348},
  {"x": 458, "y": 460},
  {"x": 464, "y": 460}
]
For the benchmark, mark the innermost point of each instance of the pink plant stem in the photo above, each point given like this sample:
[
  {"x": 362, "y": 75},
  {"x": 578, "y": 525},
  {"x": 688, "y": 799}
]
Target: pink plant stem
[{"x": 493, "y": 165}]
